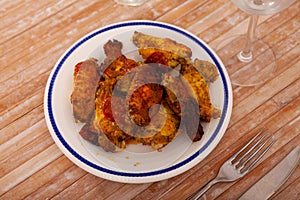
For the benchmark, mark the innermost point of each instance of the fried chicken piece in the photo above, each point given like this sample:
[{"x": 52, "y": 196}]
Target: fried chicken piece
[
  {"x": 207, "y": 69},
  {"x": 142, "y": 41},
  {"x": 163, "y": 128},
  {"x": 119, "y": 67},
  {"x": 192, "y": 122},
  {"x": 153, "y": 55},
  {"x": 187, "y": 109},
  {"x": 200, "y": 88},
  {"x": 142, "y": 100},
  {"x": 175, "y": 89},
  {"x": 95, "y": 136},
  {"x": 89, "y": 133},
  {"x": 112, "y": 50},
  {"x": 145, "y": 92},
  {"x": 84, "y": 89},
  {"x": 105, "y": 120}
]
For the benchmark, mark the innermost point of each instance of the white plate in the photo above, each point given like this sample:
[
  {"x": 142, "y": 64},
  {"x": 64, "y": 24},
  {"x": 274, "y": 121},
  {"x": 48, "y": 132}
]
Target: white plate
[{"x": 128, "y": 166}]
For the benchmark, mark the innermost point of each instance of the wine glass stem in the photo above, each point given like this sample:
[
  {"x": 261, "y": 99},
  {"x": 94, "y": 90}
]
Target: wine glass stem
[{"x": 247, "y": 53}]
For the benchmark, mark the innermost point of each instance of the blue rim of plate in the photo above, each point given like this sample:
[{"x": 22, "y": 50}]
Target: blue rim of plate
[{"x": 122, "y": 25}]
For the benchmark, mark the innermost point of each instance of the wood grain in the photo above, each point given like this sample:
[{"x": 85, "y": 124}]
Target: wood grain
[{"x": 34, "y": 34}]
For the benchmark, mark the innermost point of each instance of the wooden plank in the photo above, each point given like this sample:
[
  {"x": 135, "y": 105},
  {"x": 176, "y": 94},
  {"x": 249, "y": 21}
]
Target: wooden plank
[
  {"x": 128, "y": 191},
  {"x": 57, "y": 184},
  {"x": 180, "y": 11},
  {"x": 289, "y": 59},
  {"x": 39, "y": 178},
  {"x": 265, "y": 93},
  {"x": 196, "y": 13},
  {"x": 29, "y": 15},
  {"x": 17, "y": 155},
  {"x": 290, "y": 192},
  {"x": 291, "y": 92},
  {"x": 106, "y": 187},
  {"x": 272, "y": 21},
  {"x": 79, "y": 188},
  {"x": 12, "y": 99},
  {"x": 286, "y": 142},
  {"x": 30, "y": 167},
  {"x": 21, "y": 124},
  {"x": 21, "y": 109}
]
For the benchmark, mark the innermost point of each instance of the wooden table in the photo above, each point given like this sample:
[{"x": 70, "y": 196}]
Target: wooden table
[{"x": 34, "y": 34}]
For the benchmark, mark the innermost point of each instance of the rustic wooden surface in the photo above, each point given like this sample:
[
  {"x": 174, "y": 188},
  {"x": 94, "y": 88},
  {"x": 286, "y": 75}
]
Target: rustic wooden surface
[{"x": 34, "y": 34}]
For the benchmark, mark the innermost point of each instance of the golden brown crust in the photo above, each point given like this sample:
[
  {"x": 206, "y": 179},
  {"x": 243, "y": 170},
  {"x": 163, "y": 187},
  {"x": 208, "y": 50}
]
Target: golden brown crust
[
  {"x": 105, "y": 119},
  {"x": 140, "y": 122},
  {"x": 207, "y": 69},
  {"x": 142, "y": 41},
  {"x": 163, "y": 128},
  {"x": 144, "y": 92},
  {"x": 84, "y": 89},
  {"x": 200, "y": 89}
]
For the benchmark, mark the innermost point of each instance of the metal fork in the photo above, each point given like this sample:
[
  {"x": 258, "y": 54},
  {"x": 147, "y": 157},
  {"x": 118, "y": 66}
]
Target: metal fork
[{"x": 238, "y": 165}]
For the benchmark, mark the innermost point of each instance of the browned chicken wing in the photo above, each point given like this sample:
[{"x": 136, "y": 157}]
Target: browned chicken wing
[
  {"x": 142, "y": 41},
  {"x": 163, "y": 129},
  {"x": 200, "y": 88},
  {"x": 85, "y": 85},
  {"x": 183, "y": 104},
  {"x": 145, "y": 92},
  {"x": 207, "y": 69},
  {"x": 132, "y": 115},
  {"x": 112, "y": 50}
]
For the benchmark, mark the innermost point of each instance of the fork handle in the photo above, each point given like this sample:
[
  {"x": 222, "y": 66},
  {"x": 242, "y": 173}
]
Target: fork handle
[{"x": 202, "y": 190}]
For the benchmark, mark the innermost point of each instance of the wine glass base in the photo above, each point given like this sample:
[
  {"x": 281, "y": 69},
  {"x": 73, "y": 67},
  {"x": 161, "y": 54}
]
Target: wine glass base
[{"x": 245, "y": 71}]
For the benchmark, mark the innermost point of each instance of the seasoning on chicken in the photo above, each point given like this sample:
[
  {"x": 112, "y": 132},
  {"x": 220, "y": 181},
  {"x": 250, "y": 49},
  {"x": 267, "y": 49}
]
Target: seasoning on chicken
[
  {"x": 127, "y": 102},
  {"x": 84, "y": 88},
  {"x": 105, "y": 119},
  {"x": 200, "y": 88},
  {"x": 144, "y": 92},
  {"x": 112, "y": 50},
  {"x": 164, "y": 57},
  {"x": 162, "y": 130},
  {"x": 208, "y": 70},
  {"x": 89, "y": 133},
  {"x": 182, "y": 102},
  {"x": 143, "y": 41}
]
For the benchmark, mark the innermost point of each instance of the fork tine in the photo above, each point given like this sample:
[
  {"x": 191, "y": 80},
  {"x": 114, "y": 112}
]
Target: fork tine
[
  {"x": 260, "y": 155},
  {"x": 250, "y": 150},
  {"x": 257, "y": 150},
  {"x": 244, "y": 147}
]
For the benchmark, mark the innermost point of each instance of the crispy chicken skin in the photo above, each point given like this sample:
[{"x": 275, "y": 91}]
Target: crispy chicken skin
[
  {"x": 89, "y": 133},
  {"x": 145, "y": 92},
  {"x": 141, "y": 101},
  {"x": 163, "y": 128},
  {"x": 200, "y": 88},
  {"x": 167, "y": 58},
  {"x": 105, "y": 119},
  {"x": 142, "y": 41},
  {"x": 173, "y": 54},
  {"x": 186, "y": 96},
  {"x": 178, "y": 91},
  {"x": 84, "y": 88},
  {"x": 207, "y": 69},
  {"x": 154, "y": 114},
  {"x": 119, "y": 67},
  {"x": 112, "y": 50}
]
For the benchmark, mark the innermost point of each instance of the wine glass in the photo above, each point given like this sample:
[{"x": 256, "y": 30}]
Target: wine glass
[{"x": 251, "y": 61}]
